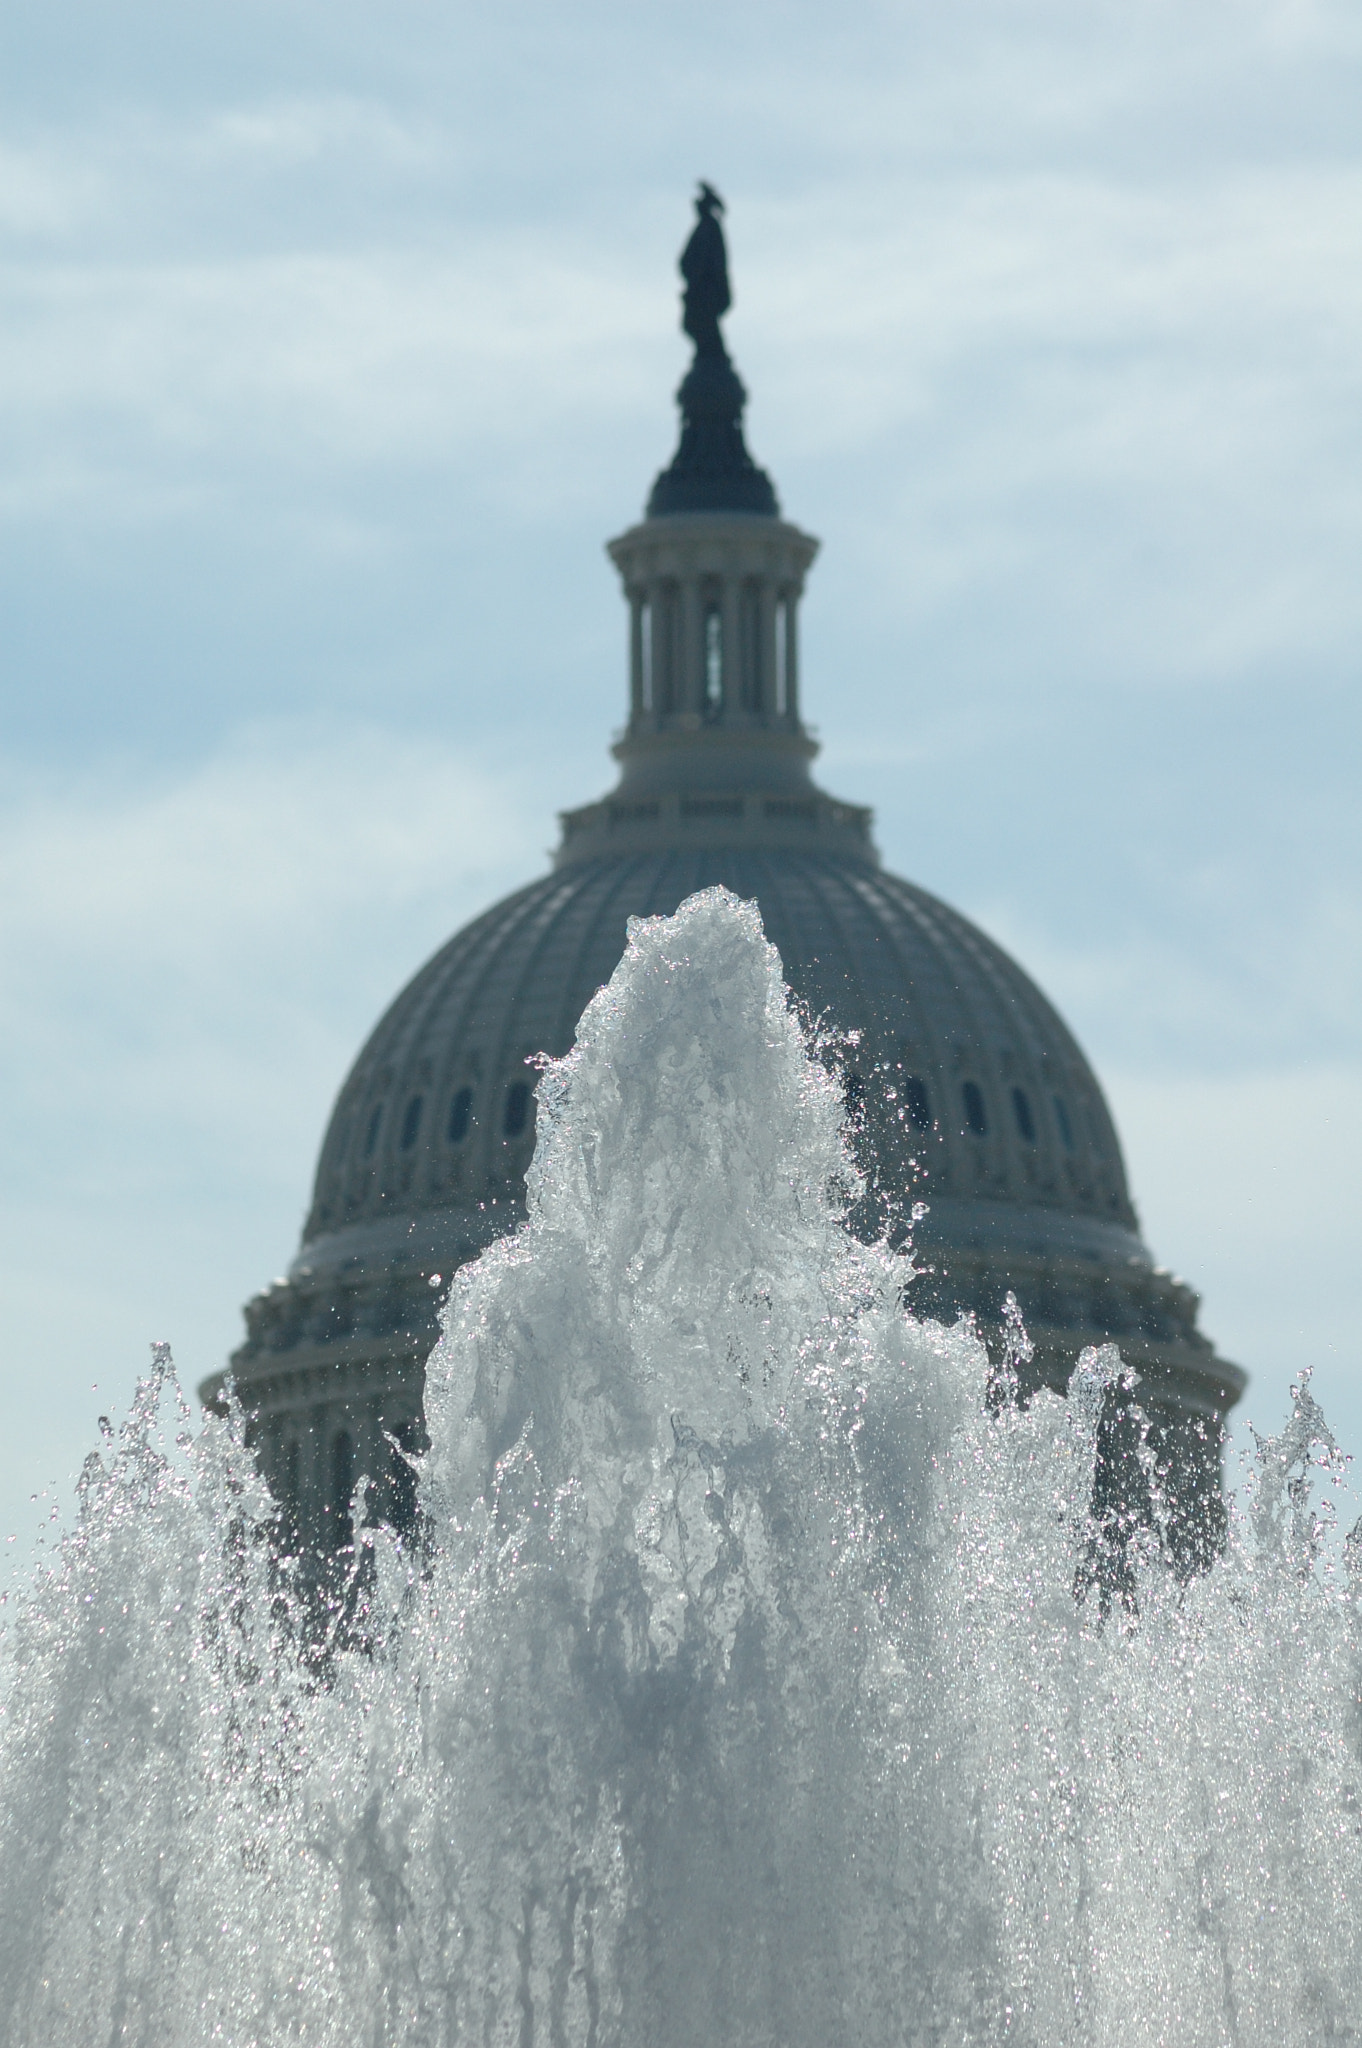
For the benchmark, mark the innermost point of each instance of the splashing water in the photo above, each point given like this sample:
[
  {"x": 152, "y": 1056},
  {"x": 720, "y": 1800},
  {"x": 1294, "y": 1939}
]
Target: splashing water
[{"x": 744, "y": 1689}]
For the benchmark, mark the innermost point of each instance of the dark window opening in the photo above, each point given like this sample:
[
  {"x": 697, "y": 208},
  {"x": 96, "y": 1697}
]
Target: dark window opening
[
  {"x": 976, "y": 1116},
  {"x": 1066, "y": 1131},
  {"x": 916, "y": 1104},
  {"x": 411, "y": 1122},
  {"x": 517, "y": 1109},
  {"x": 371, "y": 1134},
  {"x": 714, "y": 663},
  {"x": 460, "y": 1116},
  {"x": 342, "y": 1487},
  {"x": 1021, "y": 1108}
]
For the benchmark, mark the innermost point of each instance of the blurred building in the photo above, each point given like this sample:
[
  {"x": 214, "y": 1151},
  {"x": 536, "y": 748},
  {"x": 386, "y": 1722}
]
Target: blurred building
[{"x": 966, "y": 1089}]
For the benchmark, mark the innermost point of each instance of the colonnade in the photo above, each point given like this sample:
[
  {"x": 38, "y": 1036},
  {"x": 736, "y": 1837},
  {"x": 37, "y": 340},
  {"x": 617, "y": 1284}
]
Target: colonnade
[
  {"x": 713, "y": 645},
  {"x": 713, "y": 618}
]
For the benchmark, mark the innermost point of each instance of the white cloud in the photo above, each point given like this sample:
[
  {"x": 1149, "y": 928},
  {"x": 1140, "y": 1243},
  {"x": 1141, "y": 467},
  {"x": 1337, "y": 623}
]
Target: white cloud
[
  {"x": 1248, "y": 1184},
  {"x": 1155, "y": 373},
  {"x": 1216, "y": 976},
  {"x": 188, "y": 961},
  {"x": 47, "y": 192},
  {"x": 282, "y": 132}
]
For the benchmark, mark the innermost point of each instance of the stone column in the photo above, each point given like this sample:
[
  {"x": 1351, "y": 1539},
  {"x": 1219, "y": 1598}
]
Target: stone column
[
  {"x": 660, "y": 620},
  {"x": 737, "y": 689},
  {"x": 636, "y": 602},
  {"x": 691, "y": 695},
  {"x": 766, "y": 644},
  {"x": 792, "y": 657}
]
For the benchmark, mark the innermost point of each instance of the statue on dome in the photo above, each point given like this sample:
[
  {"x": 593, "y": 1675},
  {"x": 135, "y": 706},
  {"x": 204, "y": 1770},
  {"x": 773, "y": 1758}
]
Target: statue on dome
[
  {"x": 704, "y": 266},
  {"x": 711, "y": 470}
]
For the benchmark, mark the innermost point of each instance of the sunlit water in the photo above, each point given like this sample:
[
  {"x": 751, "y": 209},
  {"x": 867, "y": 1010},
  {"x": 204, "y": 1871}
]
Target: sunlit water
[{"x": 747, "y": 1691}]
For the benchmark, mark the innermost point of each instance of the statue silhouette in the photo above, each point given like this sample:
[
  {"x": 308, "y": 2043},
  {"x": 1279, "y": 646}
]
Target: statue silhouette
[
  {"x": 711, "y": 470},
  {"x": 704, "y": 266}
]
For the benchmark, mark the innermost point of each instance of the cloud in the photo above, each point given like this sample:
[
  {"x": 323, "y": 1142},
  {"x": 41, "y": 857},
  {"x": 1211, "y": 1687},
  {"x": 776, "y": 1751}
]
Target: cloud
[
  {"x": 1247, "y": 1184},
  {"x": 179, "y": 946},
  {"x": 1211, "y": 976},
  {"x": 282, "y": 132},
  {"x": 1151, "y": 369},
  {"x": 47, "y": 192}
]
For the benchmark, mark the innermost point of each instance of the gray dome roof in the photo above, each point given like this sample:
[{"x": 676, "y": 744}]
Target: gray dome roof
[
  {"x": 997, "y": 1101},
  {"x": 971, "y": 1095}
]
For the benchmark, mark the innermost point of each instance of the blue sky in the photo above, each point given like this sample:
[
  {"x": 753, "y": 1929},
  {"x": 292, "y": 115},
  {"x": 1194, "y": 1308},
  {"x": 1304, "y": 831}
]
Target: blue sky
[{"x": 334, "y": 341}]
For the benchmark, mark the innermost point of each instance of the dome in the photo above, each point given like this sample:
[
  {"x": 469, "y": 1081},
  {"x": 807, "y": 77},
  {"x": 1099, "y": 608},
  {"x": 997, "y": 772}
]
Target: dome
[
  {"x": 975, "y": 1098},
  {"x": 966, "y": 1090},
  {"x": 999, "y": 1103}
]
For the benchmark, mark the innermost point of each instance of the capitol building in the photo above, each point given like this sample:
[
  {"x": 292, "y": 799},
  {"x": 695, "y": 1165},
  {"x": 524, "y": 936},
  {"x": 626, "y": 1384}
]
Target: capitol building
[{"x": 966, "y": 1090}]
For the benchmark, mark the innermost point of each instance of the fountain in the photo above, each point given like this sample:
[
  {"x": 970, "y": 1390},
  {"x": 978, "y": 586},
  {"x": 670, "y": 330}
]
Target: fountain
[{"x": 760, "y": 1673}]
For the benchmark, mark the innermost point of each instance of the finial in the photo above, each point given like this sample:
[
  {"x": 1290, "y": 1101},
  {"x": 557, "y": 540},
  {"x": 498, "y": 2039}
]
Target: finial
[{"x": 711, "y": 470}]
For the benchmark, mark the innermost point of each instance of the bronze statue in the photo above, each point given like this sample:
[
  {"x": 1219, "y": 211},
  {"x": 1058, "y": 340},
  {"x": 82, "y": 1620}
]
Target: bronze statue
[
  {"x": 711, "y": 470},
  {"x": 704, "y": 265}
]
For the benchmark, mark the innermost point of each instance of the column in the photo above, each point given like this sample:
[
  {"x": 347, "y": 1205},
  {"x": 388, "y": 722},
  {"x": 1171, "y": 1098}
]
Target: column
[
  {"x": 737, "y": 686},
  {"x": 766, "y": 645},
  {"x": 661, "y": 638},
  {"x": 636, "y": 602},
  {"x": 792, "y": 656},
  {"x": 691, "y": 694}
]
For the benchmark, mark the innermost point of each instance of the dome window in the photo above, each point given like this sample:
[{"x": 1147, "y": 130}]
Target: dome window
[
  {"x": 976, "y": 1116},
  {"x": 517, "y": 1110},
  {"x": 916, "y": 1104},
  {"x": 342, "y": 1487},
  {"x": 374, "y": 1126},
  {"x": 460, "y": 1116},
  {"x": 411, "y": 1122},
  {"x": 1021, "y": 1109},
  {"x": 1066, "y": 1129}
]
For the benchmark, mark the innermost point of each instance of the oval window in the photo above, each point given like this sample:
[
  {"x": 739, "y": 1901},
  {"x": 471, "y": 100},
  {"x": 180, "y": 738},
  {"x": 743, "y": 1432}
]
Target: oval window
[
  {"x": 976, "y": 1116},
  {"x": 1021, "y": 1109},
  {"x": 460, "y": 1116},
  {"x": 1066, "y": 1129},
  {"x": 517, "y": 1109},
  {"x": 916, "y": 1103},
  {"x": 371, "y": 1134},
  {"x": 411, "y": 1122}
]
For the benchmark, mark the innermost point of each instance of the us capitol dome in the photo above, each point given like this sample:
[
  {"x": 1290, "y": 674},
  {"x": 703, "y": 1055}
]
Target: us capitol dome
[{"x": 968, "y": 1091}]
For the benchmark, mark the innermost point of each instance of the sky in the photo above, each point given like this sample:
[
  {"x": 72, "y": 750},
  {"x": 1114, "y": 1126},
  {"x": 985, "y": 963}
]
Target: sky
[{"x": 334, "y": 343}]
